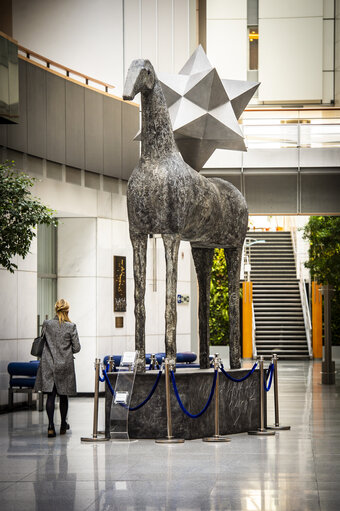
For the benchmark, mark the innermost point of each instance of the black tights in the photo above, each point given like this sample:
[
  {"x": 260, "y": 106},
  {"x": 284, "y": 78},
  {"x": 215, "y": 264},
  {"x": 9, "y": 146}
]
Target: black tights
[{"x": 63, "y": 401}]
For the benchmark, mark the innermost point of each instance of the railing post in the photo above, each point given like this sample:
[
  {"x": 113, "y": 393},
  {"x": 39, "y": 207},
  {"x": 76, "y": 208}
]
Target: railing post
[
  {"x": 328, "y": 365},
  {"x": 169, "y": 439},
  {"x": 95, "y": 437},
  {"x": 276, "y": 398},
  {"x": 217, "y": 437},
  {"x": 262, "y": 431}
]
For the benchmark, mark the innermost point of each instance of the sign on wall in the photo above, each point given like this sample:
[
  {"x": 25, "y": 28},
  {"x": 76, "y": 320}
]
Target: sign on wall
[{"x": 119, "y": 284}]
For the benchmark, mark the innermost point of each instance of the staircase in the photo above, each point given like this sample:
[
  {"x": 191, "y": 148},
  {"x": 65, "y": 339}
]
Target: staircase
[{"x": 278, "y": 312}]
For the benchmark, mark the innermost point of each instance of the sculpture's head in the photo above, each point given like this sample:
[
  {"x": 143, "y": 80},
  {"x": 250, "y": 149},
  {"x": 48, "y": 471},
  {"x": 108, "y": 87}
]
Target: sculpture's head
[{"x": 140, "y": 78}]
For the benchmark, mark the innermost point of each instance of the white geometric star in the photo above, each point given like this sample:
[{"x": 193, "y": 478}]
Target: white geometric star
[{"x": 204, "y": 109}]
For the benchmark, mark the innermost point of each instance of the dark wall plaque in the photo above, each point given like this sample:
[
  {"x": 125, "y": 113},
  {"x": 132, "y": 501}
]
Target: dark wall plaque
[
  {"x": 119, "y": 283},
  {"x": 119, "y": 321}
]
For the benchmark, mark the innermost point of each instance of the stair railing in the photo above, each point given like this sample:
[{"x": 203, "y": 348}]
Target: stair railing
[
  {"x": 303, "y": 292},
  {"x": 306, "y": 312}
]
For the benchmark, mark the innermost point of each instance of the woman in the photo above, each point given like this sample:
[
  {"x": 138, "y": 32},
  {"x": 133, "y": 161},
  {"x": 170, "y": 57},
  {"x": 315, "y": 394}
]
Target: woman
[{"x": 56, "y": 370}]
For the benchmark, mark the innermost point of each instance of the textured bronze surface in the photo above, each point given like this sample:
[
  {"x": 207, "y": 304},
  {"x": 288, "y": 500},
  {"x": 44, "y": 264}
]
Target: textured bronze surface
[{"x": 166, "y": 196}]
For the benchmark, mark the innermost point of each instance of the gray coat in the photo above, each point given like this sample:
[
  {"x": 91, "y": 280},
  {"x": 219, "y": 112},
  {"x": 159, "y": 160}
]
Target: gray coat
[{"x": 56, "y": 365}]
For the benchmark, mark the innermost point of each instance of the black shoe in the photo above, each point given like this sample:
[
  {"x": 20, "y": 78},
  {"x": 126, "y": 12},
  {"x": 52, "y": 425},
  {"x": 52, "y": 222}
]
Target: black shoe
[
  {"x": 51, "y": 432},
  {"x": 63, "y": 428}
]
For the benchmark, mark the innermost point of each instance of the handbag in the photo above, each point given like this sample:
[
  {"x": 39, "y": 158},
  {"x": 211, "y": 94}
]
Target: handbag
[{"x": 38, "y": 345}]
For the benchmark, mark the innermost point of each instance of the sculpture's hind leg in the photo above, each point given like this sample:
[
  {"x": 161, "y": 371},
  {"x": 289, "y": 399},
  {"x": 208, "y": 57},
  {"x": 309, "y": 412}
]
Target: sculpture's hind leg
[
  {"x": 171, "y": 246},
  {"x": 139, "y": 244},
  {"x": 233, "y": 258},
  {"x": 203, "y": 259}
]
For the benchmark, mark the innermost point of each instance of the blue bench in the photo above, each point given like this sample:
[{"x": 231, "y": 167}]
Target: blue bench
[
  {"x": 22, "y": 380},
  {"x": 184, "y": 359}
]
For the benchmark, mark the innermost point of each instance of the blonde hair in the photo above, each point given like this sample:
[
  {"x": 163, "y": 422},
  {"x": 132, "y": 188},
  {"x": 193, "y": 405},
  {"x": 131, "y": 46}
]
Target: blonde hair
[{"x": 62, "y": 308}]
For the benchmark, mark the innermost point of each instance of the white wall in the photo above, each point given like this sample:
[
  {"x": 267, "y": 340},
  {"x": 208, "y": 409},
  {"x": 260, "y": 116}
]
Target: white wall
[
  {"x": 227, "y": 44},
  {"x": 101, "y": 38},
  {"x": 18, "y": 315},
  {"x": 291, "y": 50},
  {"x": 93, "y": 227}
]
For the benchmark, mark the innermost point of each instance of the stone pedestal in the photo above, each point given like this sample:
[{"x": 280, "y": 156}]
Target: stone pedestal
[{"x": 239, "y": 404}]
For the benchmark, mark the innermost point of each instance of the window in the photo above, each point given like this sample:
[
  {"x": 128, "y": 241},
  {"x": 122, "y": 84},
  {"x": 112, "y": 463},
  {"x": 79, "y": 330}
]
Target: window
[
  {"x": 253, "y": 35},
  {"x": 47, "y": 272}
]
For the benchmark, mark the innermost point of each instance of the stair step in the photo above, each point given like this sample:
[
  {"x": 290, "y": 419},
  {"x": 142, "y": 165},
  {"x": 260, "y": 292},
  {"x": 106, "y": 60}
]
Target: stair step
[{"x": 278, "y": 334}]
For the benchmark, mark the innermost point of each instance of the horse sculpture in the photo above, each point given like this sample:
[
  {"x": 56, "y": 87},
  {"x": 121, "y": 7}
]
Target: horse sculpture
[{"x": 166, "y": 196}]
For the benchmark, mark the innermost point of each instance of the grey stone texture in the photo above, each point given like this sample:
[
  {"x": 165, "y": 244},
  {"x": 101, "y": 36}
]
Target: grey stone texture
[
  {"x": 239, "y": 405},
  {"x": 166, "y": 196}
]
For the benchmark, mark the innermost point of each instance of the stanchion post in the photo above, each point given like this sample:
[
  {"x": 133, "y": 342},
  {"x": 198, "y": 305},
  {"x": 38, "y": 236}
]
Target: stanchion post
[
  {"x": 217, "y": 437},
  {"x": 276, "y": 398},
  {"x": 111, "y": 364},
  {"x": 95, "y": 437},
  {"x": 262, "y": 431},
  {"x": 169, "y": 438}
]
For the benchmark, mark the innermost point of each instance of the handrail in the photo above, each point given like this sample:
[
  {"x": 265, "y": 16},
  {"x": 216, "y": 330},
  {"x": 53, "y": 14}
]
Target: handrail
[
  {"x": 8, "y": 37},
  {"x": 305, "y": 311},
  {"x": 302, "y": 289},
  {"x": 68, "y": 70},
  {"x": 283, "y": 109}
]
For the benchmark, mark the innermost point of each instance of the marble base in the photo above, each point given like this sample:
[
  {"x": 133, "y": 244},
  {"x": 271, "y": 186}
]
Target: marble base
[{"x": 239, "y": 405}]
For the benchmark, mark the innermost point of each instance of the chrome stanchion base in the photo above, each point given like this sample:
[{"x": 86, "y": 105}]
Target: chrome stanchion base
[
  {"x": 261, "y": 432},
  {"x": 94, "y": 439},
  {"x": 170, "y": 440},
  {"x": 278, "y": 427},
  {"x": 216, "y": 438}
]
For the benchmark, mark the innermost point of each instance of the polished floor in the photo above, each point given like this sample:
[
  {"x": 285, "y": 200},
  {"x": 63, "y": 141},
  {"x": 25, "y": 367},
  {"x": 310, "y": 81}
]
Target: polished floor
[{"x": 296, "y": 470}]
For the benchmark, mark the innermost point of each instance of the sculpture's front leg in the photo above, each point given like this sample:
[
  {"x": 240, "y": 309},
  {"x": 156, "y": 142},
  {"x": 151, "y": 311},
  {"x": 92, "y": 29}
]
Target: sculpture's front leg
[
  {"x": 139, "y": 244},
  {"x": 171, "y": 246}
]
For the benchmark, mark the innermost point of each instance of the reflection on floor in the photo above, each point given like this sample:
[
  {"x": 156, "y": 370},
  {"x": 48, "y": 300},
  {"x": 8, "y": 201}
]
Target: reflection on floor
[{"x": 294, "y": 470}]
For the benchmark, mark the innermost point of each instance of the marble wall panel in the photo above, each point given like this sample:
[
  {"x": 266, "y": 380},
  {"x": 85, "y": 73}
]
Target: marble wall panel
[
  {"x": 27, "y": 304},
  {"x": 8, "y": 305},
  {"x": 30, "y": 261},
  {"x": 84, "y": 364},
  {"x": 81, "y": 293},
  {"x": 104, "y": 248},
  {"x": 77, "y": 247},
  {"x": 105, "y": 314},
  {"x": 119, "y": 208},
  {"x": 104, "y": 200}
]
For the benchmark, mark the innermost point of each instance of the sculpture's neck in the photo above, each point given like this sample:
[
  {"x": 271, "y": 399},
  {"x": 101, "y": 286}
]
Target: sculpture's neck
[{"x": 157, "y": 135}]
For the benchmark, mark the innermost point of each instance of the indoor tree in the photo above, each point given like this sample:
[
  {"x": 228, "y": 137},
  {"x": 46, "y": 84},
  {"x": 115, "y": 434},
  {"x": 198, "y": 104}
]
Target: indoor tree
[
  {"x": 20, "y": 213},
  {"x": 323, "y": 233}
]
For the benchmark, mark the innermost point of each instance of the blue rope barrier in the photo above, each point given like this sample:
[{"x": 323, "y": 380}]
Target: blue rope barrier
[
  {"x": 270, "y": 372},
  {"x": 240, "y": 379},
  {"x": 193, "y": 416},
  {"x": 133, "y": 408}
]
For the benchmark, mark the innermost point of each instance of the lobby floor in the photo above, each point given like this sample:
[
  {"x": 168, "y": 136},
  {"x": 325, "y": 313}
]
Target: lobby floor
[{"x": 296, "y": 470}]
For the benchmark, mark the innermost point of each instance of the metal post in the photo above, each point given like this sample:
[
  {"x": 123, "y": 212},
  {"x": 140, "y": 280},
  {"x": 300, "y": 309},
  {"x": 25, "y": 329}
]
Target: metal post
[
  {"x": 111, "y": 364},
  {"x": 169, "y": 438},
  {"x": 328, "y": 365},
  {"x": 153, "y": 361},
  {"x": 95, "y": 437},
  {"x": 276, "y": 398},
  {"x": 217, "y": 437},
  {"x": 262, "y": 430}
]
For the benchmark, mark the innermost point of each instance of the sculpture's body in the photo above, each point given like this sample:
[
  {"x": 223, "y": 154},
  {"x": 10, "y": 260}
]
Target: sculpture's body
[{"x": 166, "y": 196}]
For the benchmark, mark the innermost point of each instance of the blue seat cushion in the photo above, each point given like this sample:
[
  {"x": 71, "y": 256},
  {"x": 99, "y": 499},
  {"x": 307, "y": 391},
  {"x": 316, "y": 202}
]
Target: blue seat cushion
[
  {"x": 186, "y": 357},
  {"x": 23, "y": 368},
  {"x": 22, "y": 382}
]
